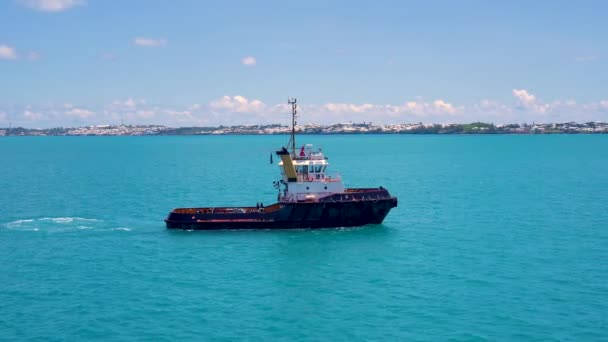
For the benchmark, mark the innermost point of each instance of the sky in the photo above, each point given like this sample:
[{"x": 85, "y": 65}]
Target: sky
[{"x": 206, "y": 63}]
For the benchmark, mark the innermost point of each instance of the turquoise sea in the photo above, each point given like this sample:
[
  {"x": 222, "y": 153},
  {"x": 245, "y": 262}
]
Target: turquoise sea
[{"x": 495, "y": 238}]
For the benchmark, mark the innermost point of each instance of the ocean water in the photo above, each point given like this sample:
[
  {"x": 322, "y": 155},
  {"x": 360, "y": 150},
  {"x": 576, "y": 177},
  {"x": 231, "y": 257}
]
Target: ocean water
[{"x": 494, "y": 238}]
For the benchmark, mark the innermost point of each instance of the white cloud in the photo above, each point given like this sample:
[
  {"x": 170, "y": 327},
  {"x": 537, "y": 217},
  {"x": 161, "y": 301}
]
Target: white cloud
[
  {"x": 129, "y": 103},
  {"x": 528, "y": 101},
  {"x": 235, "y": 110},
  {"x": 8, "y": 52},
  {"x": 410, "y": 108},
  {"x": 179, "y": 113},
  {"x": 249, "y": 61},
  {"x": 525, "y": 98},
  {"x": 149, "y": 42},
  {"x": 444, "y": 107},
  {"x": 596, "y": 107},
  {"x": 51, "y": 5},
  {"x": 146, "y": 114},
  {"x": 237, "y": 104},
  {"x": 348, "y": 108},
  {"x": 30, "y": 115},
  {"x": 80, "y": 112},
  {"x": 486, "y": 105}
]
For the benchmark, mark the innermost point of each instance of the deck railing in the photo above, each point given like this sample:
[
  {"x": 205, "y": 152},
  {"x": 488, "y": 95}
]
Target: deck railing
[
  {"x": 227, "y": 210},
  {"x": 322, "y": 178}
]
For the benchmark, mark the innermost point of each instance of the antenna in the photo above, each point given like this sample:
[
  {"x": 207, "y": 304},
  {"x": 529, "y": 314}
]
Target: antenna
[{"x": 292, "y": 140}]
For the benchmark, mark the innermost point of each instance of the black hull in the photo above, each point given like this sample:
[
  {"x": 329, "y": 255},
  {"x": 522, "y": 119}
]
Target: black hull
[{"x": 339, "y": 210}]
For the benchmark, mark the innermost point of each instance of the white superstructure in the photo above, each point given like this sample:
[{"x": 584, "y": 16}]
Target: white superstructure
[{"x": 311, "y": 181}]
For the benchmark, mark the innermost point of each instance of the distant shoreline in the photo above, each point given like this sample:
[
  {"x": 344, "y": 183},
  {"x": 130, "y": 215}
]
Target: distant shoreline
[{"x": 475, "y": 128}]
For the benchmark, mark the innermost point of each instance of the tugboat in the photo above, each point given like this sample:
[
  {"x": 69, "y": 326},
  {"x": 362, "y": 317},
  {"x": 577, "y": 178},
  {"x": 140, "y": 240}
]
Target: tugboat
[{"x": 308, "y": 197}]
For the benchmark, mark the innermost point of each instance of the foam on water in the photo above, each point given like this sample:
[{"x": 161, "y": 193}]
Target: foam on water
[
  {"x": 18, "y": 223},
  {"x": 53, "y": 224}
]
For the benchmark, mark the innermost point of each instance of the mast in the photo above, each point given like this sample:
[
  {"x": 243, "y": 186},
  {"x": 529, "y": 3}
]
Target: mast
[{"x": 292, "y": 140}]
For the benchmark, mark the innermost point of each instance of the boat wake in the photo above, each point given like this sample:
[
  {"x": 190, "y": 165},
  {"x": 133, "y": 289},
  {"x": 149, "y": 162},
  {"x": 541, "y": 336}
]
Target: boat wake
[{"x": 55, "y": 224}]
